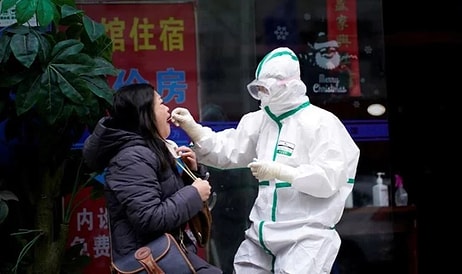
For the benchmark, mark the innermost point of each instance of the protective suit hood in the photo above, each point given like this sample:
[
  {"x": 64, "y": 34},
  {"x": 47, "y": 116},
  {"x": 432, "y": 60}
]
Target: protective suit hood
[{"x": 279, "y": 73}]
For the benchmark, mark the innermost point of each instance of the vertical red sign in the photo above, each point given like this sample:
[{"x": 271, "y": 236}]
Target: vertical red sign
[
  {"x": 342, "y": 27},
  {"x": 88, "y": 226},
  {"x": 155, "y": 43}
]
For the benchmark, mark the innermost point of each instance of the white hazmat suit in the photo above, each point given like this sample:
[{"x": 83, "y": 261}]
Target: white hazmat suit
[{"x": 305, "y": 161}]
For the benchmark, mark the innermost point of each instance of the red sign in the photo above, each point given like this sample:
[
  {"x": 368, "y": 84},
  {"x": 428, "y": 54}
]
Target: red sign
[
  {"x": 88, "y": 226},
  {"x": 155, "y": 43},
  {"x": 342, "y": 27}
]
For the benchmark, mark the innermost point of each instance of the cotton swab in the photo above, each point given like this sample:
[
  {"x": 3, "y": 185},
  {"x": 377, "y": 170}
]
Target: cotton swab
[{"x": 172, "y": 146}]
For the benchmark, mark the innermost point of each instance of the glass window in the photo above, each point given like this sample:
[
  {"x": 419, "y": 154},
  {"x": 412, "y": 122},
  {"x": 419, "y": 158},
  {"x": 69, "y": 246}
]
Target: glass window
[{"x": 202, "y": 54}]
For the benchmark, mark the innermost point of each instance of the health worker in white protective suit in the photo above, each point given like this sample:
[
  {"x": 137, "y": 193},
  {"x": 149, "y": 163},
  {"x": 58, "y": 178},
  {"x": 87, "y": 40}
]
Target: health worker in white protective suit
[{"x": 305, "y": 161}]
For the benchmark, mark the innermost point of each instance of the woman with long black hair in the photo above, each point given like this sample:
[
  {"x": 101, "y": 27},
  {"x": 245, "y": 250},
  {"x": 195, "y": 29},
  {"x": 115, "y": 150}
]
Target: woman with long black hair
[{"x": 146, "y": 196}]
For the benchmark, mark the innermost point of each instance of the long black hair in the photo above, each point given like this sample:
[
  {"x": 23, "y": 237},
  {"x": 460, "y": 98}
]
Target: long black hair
[{"x": 133, "y": 110}]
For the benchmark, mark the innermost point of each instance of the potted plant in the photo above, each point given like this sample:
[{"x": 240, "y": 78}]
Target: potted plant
[{"x": 53, "y": 85}]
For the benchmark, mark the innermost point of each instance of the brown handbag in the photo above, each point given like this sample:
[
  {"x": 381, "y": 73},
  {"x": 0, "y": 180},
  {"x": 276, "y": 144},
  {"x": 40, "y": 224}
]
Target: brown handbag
[
  {"x": 201, "y": 225},
  {"x": 162, "y": 255}
]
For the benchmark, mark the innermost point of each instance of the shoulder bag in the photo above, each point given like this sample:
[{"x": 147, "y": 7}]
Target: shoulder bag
[
  {"x": 161, "y": 256},
  {"x": 201, "y": 225}
]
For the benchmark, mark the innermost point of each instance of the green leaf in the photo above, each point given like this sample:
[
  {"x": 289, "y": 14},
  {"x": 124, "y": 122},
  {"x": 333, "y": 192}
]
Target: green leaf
[
  {"x": 45, "y": 12},
  {"x": 24, "y": 48},
  {"x": 25, "y": 10},
  {"x": 44, "y": 48},
  {"x": 82, "y": 59},
  {"x": 76, "y": 64},
  {"x": 103, "y": 67},
  {"x": 68, "y": 90},
  {"x": 106, "y": 47},
  {"x": 75, "y": 69},
  {"x": 102, "y": 47},
  {"x": 81, "y": 85},
  {"x": 9, "y": 79},
  {"x": 67, "y": 10},
  {"x": 64, "y": 49},
  {"x": 8, "y": 195},
  {"x": 19, "y": 29},
  {"x": 7, "y": 4},
  {"x": 100, "y": 88},
  {"x": 28, "y": 94},
  {"x": 93, "y": 28},
  {"x": 68, "y": 109},
  {"x": 4, "y": 48},
  {"x": 64, "y": 2},
  {"x": 79, "y": 110},
  {"x": 51, "y": 102},
  {"x": 3, "y": 211},
  {"x": 56, "y": 15},
  {"x": 54, "y": 114},
  {"x": 95, "y": 112}
]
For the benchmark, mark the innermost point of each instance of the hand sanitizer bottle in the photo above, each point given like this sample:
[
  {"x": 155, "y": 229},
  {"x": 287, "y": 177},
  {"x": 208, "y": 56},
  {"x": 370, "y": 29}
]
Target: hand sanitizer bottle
[
  {"x": 380, "y": 192},
  {"x": 400, "y": 193}
]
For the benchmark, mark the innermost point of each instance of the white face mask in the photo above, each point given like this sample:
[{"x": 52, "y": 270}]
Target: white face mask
[
  {"x": 264, "y": 100},
  {"x": 277, "y": 93}
]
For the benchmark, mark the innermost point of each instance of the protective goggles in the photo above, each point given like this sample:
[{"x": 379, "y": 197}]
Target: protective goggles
[{"x": 258, "y": 87}]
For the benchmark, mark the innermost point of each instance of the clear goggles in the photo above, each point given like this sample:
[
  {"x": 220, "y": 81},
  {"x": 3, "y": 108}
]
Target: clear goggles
[{"x": 258, "y": 87}]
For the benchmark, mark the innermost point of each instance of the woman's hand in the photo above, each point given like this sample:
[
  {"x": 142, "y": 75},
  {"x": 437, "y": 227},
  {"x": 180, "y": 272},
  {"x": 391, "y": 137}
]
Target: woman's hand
[
  {"x": 188, "y": 156},
  {"x": 203, "y": 187}
]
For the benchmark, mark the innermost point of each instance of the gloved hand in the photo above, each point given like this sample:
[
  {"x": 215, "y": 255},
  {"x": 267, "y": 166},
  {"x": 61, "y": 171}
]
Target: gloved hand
[
  {"x": 265, "y": 170},
  {"x": 182, "y": 118}
]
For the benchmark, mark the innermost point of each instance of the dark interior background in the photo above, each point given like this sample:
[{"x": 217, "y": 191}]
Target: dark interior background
[{"x": 423, "y": 40}]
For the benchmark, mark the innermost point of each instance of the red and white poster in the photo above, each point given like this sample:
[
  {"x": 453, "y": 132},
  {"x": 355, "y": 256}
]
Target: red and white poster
[
  {"x": 342, "y": 28},
  {"x": 155, "y": 43},
  {"x": 88, "y": 225}
]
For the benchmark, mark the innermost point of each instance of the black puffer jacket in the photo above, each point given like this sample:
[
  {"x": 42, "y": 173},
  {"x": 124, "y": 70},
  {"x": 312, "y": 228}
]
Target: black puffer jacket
[{"x": 142, "y": 202}]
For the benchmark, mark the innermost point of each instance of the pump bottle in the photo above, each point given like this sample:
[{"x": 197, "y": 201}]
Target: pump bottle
[
  {"x": 380, "y": 192},
  {"x": 400, "y": 193}
]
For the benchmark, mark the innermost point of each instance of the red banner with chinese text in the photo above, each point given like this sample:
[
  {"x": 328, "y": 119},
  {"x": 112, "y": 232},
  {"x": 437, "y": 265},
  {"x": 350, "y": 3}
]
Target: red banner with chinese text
[
  {"x": 342, "y": 27},
  {"x": 89, "y": 226},
  {"x": 155, "y": 43}
]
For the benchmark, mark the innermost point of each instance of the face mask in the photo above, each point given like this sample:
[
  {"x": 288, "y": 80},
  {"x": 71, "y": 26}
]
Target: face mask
[{"x": 277, "y": 94}]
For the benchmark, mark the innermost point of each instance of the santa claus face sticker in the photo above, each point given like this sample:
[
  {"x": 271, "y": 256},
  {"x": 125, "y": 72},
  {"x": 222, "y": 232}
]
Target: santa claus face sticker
[
  {"x": 327, "y": 56},
  {"x": 327, "y": 69}
]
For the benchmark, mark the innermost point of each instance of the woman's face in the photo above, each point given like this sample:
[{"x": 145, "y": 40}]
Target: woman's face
[{"x": 161, "y": 114}]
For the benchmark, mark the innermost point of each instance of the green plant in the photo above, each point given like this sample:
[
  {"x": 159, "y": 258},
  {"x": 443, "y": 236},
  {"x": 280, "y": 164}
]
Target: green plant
[
  {"x": 5, "y": 195},
  {"x": 53, "y": 85}
]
